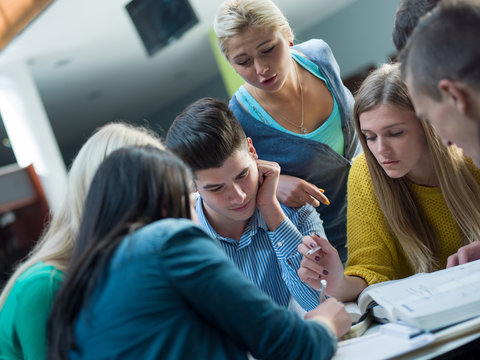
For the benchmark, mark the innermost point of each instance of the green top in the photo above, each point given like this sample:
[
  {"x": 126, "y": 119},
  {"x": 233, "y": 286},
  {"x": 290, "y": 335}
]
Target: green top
[{"x": 23, "y": 318}]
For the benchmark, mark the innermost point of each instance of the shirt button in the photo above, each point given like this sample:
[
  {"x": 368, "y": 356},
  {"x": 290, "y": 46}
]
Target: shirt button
[{"x": 279, "y": 243}]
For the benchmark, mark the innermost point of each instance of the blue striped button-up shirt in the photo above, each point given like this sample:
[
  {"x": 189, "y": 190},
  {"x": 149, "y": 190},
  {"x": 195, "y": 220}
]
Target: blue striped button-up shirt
[{"x": 270, "y": 259}]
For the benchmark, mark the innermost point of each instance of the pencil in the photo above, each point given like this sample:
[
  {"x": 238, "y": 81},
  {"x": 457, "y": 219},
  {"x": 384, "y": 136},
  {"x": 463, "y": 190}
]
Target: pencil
[
  {"x": 323, "y": 287},
  {"x": 313, "y": 251}
]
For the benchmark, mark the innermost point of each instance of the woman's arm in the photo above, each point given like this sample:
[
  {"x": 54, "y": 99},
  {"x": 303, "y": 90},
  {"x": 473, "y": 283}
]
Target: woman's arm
[
  {"x": 285, "y": 241},
  {"x": 295, "y": 192},
  {"x": 325, "y": 264},
  {"x": 31, "y": 316},
  {"x": 205, "y": 277}
]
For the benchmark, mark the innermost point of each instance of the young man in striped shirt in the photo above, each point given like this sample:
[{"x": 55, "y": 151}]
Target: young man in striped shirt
[{"x": 237, "y": 201}]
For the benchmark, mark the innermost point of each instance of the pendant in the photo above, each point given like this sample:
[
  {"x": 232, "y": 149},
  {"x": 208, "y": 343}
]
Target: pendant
[{"x": 303, "y": 130}]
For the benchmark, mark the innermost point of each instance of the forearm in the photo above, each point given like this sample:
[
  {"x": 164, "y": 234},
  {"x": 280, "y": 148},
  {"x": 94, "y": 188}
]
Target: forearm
[
  {"x": 306, "y": 296},
  {"x": 285, "y": 241},
  {"x": 256, "y": 322},
  {"x": 272, "y": 214},
  {"x": 348, "y": 289}
]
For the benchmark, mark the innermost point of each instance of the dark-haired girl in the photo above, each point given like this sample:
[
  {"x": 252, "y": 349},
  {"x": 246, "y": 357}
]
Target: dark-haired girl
[{"x": 146, "y": 283}]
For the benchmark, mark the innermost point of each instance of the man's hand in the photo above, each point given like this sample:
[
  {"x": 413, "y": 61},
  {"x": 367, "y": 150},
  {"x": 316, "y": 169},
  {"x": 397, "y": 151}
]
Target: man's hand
[
  {"x": 267, "y": 203},
  {"x": 268, "y": 175}
]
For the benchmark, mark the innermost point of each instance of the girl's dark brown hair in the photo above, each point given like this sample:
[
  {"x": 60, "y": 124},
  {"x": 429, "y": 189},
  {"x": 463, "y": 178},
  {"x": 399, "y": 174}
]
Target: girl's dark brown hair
[{"x": 133, "y": 187}]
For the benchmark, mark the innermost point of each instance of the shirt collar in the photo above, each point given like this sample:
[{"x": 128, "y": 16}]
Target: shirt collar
[{"x": 255, "y": 222}]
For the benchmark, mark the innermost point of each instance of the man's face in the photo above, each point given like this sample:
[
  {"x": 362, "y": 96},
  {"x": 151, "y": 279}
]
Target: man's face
[
  {"x": 229, "y": 192},
  {"x": 452, "y": 124}
]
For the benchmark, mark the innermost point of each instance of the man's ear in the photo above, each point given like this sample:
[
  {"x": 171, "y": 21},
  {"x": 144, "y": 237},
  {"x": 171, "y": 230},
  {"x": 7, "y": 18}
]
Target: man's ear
[
  {"x": 251, "y": 148},
  {"x": 456, "y": 93}
]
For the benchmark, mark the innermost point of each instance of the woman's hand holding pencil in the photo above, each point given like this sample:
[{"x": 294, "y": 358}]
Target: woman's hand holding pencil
[{"x": 320, "y": 262}]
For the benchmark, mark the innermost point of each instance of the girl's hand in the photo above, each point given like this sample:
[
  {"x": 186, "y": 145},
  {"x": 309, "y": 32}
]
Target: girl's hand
[
  {"x": 332, "y": 313},
  {"x": 295, "y": 192},
  {"x": 322, "y": 264}
]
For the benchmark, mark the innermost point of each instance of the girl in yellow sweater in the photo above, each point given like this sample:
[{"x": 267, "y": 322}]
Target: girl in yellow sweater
[{"x": 412, "y": 202}]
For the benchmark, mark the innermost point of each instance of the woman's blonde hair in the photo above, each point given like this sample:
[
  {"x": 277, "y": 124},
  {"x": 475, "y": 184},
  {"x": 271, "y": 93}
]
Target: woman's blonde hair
[
  {"x": 235, "y": 16},
  {"x": 457, "y": 184},
  {"x": 57, "y": 242}
]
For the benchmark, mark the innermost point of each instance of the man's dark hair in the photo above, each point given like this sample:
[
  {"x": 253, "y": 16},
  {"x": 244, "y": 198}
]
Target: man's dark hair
[
  {"x": 205, "y": 134},
  {"x": 444, "y": 45},
  {"x": 407, "y": 16}
]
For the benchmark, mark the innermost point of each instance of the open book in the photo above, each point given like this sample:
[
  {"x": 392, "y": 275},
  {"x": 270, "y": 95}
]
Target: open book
[{"x": 428, "y": 301}]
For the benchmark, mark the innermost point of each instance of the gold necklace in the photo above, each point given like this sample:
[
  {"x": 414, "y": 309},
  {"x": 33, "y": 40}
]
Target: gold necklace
[{"x": 263, "y": 103}]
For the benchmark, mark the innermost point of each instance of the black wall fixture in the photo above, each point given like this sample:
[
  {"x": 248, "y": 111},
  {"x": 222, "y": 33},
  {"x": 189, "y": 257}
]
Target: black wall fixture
[{"x": 160, "y": 22}]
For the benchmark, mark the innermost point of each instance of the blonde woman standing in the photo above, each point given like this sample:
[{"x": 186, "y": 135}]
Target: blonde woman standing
[
  {"x": 293, "y": 106},
  {"x": 26, "y": 300},
  {"x": 412, "y": 202}
]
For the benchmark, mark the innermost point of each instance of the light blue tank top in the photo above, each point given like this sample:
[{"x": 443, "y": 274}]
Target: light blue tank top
[{"x": 329, "y": 133}]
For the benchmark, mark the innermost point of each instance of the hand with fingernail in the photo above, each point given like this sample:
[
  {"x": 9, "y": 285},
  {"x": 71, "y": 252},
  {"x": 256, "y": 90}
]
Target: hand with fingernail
[
  {"x": 321, "y": 261},
  {"x": 296, "y": 192}
]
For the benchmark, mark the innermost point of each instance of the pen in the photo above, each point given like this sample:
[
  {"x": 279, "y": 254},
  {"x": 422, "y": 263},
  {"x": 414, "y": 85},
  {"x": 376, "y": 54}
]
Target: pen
[
  {"x": 314, "y": 250},
  {"x": 323, "y": 287}
]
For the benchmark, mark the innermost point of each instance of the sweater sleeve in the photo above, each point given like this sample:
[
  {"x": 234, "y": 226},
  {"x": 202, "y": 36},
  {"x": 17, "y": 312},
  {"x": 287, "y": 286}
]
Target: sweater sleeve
[
  {"x": 33, "y": 309},
  {"x": 371, "y": 248},
  {"x": 205, "y": 277}
]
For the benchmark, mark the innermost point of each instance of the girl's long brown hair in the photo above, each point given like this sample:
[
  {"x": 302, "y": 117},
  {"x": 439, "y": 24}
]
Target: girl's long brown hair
[{"x": 459, "y": 188}]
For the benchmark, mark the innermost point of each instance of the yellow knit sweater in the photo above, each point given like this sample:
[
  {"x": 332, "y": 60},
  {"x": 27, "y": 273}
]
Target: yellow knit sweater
[{"x": 374, "y": 253}]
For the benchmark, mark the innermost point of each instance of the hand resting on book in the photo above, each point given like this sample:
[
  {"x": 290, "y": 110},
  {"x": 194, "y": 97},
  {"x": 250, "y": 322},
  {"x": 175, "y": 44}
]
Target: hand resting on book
[{"x": 332, "y": 313}]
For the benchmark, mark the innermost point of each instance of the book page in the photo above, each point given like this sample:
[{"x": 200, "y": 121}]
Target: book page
[
  {"x": 364, "y": 301},
  {"x": 433, "y": 300},
  {"x": 357, "y": 329},
  {"x": 384, "y": 345},
  {"x": 379, "y": 346},
  {"x": 354, "y": 311}
]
